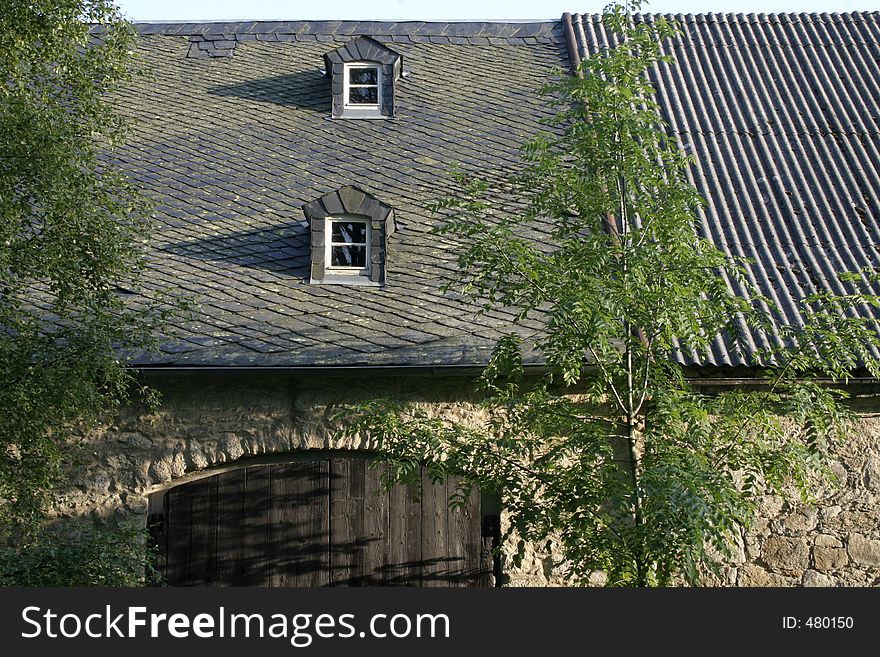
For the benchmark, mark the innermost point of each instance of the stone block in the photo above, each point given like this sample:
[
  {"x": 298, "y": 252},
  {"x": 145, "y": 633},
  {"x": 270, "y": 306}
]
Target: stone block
[
  {"x": 812, "y": 578},
  {"x": 872, "y": 474},
  {"x": 801, "y": 520},
  {"x": 827, "y": 558},
  {"x": 786, "y": 554},
  {"x": 771, "y": 505},
  {"x": 752, "y": 575},
  {"x": 827, "y": 540},
  {"x": 863, "y": 551},
  {"x": 831, "y": 512}
]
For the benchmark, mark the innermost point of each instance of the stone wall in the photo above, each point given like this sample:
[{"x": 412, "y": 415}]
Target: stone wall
[
  {"x": 213, "y": 421},
  {"x": 834, "y": 543}
]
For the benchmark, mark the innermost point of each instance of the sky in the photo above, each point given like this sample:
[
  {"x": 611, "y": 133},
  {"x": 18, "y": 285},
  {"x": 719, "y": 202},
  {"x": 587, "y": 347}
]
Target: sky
[{"x": 207, "y": 10}]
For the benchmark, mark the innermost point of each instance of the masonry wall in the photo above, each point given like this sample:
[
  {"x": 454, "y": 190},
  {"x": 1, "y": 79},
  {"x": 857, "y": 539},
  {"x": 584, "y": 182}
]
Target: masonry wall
[{"x": 211, "y": 421}]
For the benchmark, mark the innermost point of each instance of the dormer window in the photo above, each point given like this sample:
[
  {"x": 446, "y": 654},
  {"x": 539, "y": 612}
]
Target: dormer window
[
  {"x": 348, "y": 245},
  {"x": 364, "y": 74},
  {"x": 363, "y": 85},
  {"x": 349, "y": 230}
]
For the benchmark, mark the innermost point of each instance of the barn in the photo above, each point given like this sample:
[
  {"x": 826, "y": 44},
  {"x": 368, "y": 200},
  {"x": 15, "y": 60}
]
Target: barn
[{"x": 291, "y": 165}]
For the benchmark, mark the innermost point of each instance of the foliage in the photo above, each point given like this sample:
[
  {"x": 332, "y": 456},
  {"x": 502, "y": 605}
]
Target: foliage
[
  {"x": 79, "y": 555},
  {"x": 72, "y": 234},
  {"x": 635, "y": 471}
]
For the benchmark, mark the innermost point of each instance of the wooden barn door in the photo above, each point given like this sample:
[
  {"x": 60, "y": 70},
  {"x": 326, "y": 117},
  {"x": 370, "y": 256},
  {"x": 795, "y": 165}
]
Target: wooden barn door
[{"x": 319, "y": 522}]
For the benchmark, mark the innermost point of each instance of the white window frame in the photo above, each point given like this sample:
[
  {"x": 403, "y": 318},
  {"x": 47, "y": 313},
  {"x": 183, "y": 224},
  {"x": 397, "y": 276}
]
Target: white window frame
[
  {"x": 346, "y": 85},
  {"x": 329, "y": 244}
]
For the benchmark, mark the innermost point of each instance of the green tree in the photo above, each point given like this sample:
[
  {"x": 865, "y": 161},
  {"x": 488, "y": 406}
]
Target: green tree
[
  {"x": 613, "y": 452},
  {"x": 79, "y": 554},
  {"x": 72, "y": 232}
]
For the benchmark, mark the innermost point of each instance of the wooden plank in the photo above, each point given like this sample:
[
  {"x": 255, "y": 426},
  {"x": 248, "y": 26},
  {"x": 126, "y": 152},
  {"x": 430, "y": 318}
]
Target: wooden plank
[
  {"x": 299, "y": 519},
  {"x": 346, "y": 520},
  {"x": 178, "y": 516},
  {"x": 404, "y": 544},
  {"x": 359, "y": 523},
  {"x": 435, "y": 530},
  {"x": 230, "y": 528},
  {"x": 465, "y": 544},
  {"x": 203, "y": 531},
  {"x": 256, "y": 567},
  {"x": 377, "y": 522}
]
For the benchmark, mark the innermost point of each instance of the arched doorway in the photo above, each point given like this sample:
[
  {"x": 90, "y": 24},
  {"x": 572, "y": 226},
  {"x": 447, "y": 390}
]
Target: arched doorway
[{"x": 320, "y": 522}]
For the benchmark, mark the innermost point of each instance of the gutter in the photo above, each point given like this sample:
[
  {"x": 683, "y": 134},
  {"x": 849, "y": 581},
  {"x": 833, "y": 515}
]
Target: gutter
[
  {"x": 719, "y": 383},
  {"x": 869, "y": 383},
  {"x": 404, "y": 370}
]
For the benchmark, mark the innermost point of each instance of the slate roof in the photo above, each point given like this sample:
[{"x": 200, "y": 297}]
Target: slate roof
[
  {"x": 783, "y": 115},
  {"x": 781, "y": 111},
  {"x": 234, "y": 136}
]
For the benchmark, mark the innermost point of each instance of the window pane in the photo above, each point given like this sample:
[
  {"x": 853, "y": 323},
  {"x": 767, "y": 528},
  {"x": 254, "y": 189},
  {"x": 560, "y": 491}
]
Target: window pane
[
  {"x": 348, "y": 232},
  {"x": 363, "y": 95},
  {"x": 363, "y": 76},
  {"x": 348, "y": 256}
]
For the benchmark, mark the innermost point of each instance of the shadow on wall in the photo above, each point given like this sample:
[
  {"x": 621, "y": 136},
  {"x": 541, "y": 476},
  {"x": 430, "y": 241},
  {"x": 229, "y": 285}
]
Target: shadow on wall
[
  {"x": 283, "y": 249},
  {"x": 306, "y": 90}
]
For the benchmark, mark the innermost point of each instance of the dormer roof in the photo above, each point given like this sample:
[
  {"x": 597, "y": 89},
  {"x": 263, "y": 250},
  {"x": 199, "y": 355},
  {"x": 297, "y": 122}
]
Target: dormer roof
[
  {"x": 361, "y": 49},
  {"x": 363, "y": 65}
]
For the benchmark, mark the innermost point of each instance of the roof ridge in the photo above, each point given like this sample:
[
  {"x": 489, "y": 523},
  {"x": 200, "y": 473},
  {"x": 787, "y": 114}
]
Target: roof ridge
[
  {"x": 345, "y": 20},
  {"x": 744, "y": 16},
  {"x": 503, "y": 29},
  {"x": 510, "y": 28}
]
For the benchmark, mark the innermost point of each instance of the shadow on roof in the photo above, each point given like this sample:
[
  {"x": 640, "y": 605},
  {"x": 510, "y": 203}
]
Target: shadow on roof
[
  {"x": 282, "y": 250},
  {"x": 305, "y": 89}
]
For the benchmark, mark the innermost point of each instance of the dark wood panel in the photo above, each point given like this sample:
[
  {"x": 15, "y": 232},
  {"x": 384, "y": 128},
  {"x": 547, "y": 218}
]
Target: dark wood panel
[
  {"x": 464, "y": 541},
  {"x": 203, "y": 536},
  {"x": 435, "y": 530},
  {"x": 359, "y": 523},
  {"x": 377, "y": 524},
  {"x": 257, "y": 567},
  {"x": 299, "y": 518},
  {"x": 346, "y": 520},
  {"x": 405, "y": 536},
  {"x": 231, "y": 555},
  {"x": 316, "y": 523},
  {"x": 178, "y": 528}
]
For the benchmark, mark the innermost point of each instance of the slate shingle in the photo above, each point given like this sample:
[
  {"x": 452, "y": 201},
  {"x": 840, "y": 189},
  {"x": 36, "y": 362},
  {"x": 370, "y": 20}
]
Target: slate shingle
[
  {"x": 781, "y": 112},
  {"x": 232, "y": 149}
]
